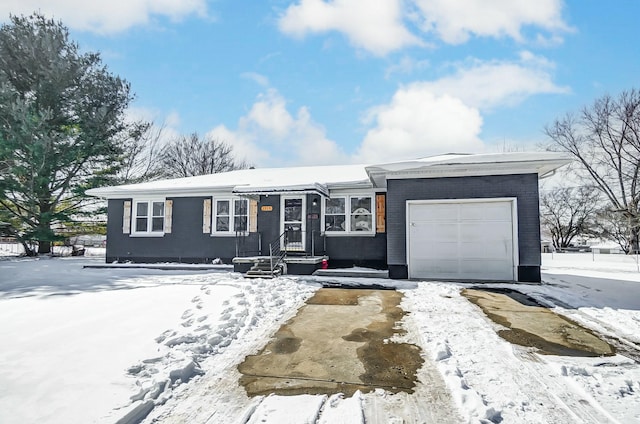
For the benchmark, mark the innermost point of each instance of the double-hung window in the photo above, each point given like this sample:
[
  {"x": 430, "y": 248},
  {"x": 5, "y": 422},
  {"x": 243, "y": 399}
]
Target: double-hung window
[
  {"x": 230, "y": 216},
  {"x": 149, "y": 217},
  {"x": 348, "y": 214}
]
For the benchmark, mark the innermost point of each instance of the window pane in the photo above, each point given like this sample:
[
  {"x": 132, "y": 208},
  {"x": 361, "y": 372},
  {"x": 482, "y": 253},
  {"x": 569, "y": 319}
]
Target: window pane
[
  {"x": 334, "y": 223},
  {"x": 334, "y": 206},
  {"x": 360, "y": 205},
  {"x": 222, "y": 223},
  {"x": 141, "y": 224},
  {"x": 361, "y": 223},
  {"x": 293, "y": 210},
  {"x": 142, "y": 209},
  {"x": 240, "y": 223},
  {"x": 158, "y": 208},
  {"x": 240, "y": 207},
  {"x": 222, "y": 208},
  {"x": 157, "y": 224}
]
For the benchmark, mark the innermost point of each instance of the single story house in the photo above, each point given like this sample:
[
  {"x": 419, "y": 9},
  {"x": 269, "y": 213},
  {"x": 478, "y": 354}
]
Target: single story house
[{"x": 450, "y": 217}]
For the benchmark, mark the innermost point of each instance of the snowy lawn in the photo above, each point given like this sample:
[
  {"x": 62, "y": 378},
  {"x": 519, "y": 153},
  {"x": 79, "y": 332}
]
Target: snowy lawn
[{"x": 97, "y": 345}]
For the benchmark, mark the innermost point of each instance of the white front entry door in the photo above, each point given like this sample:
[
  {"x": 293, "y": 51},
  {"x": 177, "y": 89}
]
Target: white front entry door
[
  {"x": 292, "y": 220},
  {"x": 462, "y": 240}
]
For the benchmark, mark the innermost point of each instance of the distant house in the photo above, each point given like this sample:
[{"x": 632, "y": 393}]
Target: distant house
[
  {"x": 607, "y": 248},
  {"x": 449, "y": 217}
]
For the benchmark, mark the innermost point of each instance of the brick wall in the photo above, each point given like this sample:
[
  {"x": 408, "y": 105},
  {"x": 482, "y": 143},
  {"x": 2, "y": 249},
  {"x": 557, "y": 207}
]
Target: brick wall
[{"x": 524, "y": 187}]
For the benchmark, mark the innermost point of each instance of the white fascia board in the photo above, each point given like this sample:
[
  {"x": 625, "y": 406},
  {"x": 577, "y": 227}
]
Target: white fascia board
[
  {"x": 472, "y": 170},
  {"x": 119, "y": 193},
  {"x": 291, "y": 189}
]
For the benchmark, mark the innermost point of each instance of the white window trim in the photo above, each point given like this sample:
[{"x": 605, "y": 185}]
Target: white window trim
[
  {"x": 348, "y": 232},
  {"x": 134, "y": 215},
  {"x": 214, "y": 215}
]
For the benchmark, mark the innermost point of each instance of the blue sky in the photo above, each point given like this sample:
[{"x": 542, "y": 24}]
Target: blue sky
[{"x": 326, "y": 82}]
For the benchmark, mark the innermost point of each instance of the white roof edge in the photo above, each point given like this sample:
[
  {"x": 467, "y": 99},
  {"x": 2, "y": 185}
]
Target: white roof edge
[{"x": 479, "y": 161}]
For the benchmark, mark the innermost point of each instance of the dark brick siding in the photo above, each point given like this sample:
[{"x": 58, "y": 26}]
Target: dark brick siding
[
  {"x": 186, "y": 243},
  {"x": 524, "y": 187}
]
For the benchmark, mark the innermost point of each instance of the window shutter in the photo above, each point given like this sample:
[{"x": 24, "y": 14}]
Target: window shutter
[
  {"x": 168, "y": 216},
  {"x": 126, "y": 217},
  {"x": 206, "y": 216},
  {"x": 380, "y": 212},
  {"x": 253, "y": 216}
]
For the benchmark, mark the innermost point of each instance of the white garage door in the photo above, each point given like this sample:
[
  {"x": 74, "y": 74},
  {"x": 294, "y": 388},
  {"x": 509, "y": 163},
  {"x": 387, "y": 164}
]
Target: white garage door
[{"x": 471, "y": 240}]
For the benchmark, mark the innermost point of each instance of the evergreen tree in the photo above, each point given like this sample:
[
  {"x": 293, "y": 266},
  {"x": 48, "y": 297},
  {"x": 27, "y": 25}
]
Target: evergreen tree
[{"x": 61, "y": 114}]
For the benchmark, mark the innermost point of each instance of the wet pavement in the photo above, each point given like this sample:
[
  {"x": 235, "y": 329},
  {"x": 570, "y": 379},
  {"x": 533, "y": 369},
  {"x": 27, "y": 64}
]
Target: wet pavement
[
  {"x": 339, "y": 342},
  {"x": 530, "y": 324}
]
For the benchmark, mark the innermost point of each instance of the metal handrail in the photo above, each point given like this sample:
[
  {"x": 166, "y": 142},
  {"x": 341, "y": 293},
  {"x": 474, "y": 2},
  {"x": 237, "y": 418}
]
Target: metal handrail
[{"x": 276, "y": 252}]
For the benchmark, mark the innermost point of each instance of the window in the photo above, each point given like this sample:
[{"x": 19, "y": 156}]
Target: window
[
  {"x": 149, "y": 217},
  {"x": 348, "y": 214},
  {"x": 231, "y": 216},
  {"x": 361, "y": 218},
  {"x": 335, "y": 214}
]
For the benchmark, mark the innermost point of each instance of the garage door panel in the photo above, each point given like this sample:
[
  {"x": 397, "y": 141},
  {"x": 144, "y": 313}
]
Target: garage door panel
[
  {"x": 466, "y": 240},
  {"x": 485, "y": 232},
  {"x": 436, "y": 232},
  {"x": 478, "y": 269},
  {"x": 438, "y": 212},
  {"x": 490, "y": 211},
  {"x": 445, "y": 269},
  {"x": 498, "y": 250}
]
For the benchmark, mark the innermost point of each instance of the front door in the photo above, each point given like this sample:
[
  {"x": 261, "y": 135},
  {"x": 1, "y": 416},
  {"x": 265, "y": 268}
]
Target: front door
[{"x": 293, "y": 223}]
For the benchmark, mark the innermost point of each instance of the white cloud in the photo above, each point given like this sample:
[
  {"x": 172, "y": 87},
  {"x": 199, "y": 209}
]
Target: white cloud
[
  {"x": 259, "y": 79},
  {"x": 269, "y": 114},
  {"x": 380, "y": 26},
  {"x": 418, "y": 123},
  {"x": 432, "y": 117},
  {"x": 491, "y": 84},
  {"x": 455, "y": 21},
  {"x": 375, "y": 26},
  {"x": 406, "y": 65},
  {"x": 106, "y": 17},
  {"x": 269, "y": 135}
]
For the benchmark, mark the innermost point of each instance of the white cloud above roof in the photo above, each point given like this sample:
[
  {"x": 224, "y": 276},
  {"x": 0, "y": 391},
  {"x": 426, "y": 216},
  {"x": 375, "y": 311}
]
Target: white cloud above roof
[
  {"x": 381, "y": 26},
  {"x": 106, "y": 17},
  {"x": 455, "y": 22},
  {"x": 489, "y": 84},
  {"x": 270, "y": 133},
  {"x": 430, "y": 117},
  {"x": 418, "y": 122},
  {"x": 375, "y": 26}
]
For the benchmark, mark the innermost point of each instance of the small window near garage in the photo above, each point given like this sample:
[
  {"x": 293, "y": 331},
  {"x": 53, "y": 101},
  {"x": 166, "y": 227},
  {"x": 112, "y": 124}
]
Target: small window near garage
[
  {"x": 335, "y": 214},
  {"x": 231, "y": 216},
  {"x": 348, "y": 214},
  {"x": 149, "y": 217},
  {"x": 361, "y": 217}
]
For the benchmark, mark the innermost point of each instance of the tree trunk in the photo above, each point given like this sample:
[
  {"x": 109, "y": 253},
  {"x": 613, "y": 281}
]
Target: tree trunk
[
  {"x": 634, "y": 242},
  {"x": 44, "y": 246}
]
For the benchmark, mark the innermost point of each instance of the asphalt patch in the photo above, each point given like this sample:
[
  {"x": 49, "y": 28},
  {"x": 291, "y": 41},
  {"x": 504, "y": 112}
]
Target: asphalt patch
[
  {"x": 527, "y": 323},
  {"x": 339, "y": 342}
]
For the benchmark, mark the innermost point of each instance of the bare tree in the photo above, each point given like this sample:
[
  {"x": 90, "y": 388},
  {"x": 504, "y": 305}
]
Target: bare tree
[
  {"x": 605, "y": 140},
  {"x": 141, "y": 153},
  {"x": 567, "y": 212},
  {"x": 191, "y": 155},
  {"x": 615, "y": 227}
]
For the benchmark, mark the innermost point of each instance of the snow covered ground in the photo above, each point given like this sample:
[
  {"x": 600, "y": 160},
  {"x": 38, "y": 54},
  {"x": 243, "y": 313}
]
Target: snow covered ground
[{"x": 100, "y": 345}]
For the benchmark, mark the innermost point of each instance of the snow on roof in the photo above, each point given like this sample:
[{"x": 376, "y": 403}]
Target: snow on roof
[
  {"x": 321, "y": 179},
  {"x": 311, "y": 178},
  {"x": 476, "y": 159}
]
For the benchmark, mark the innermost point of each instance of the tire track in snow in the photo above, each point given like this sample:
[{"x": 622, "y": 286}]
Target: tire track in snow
[{"x": 490, "y": 382}]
